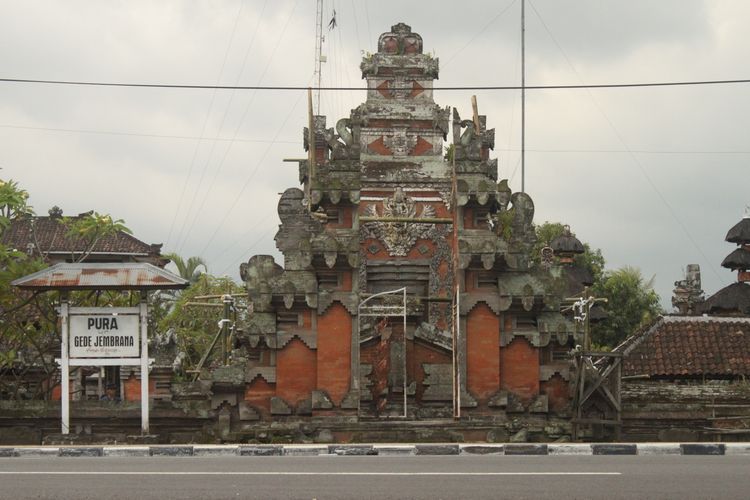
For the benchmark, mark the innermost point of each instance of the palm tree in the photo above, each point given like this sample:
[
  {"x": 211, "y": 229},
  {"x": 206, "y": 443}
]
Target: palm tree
[{"x": 188, "y": 269}]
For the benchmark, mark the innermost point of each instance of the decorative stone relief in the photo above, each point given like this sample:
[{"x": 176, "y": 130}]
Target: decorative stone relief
[
  {"x": 400, "y": 143},
  {"x": 398, "y": 237}
]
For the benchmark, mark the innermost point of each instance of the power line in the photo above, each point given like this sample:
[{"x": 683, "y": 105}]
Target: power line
[
  {"x": 178, "y": 243},
  {"x": 205, "y": 124},
  {"x": 452, "y": 88},
  {"x": 630, "y": 152},
  {"x": 267, "y": 141},
  {"x": 139, "y": 134},
  {"x": 471, "y": 40}
]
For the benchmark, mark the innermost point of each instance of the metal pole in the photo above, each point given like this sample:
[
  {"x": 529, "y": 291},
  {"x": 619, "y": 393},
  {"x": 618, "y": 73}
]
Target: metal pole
[
  {"x": 65, "y": 367},
  {"x": 145, "y": 401},
  {"x": 227, "y": 299},
  {"x": 318, "y": 50},
  {"x": 404, "y": 357},
  {"x": 311, "y": 153},
  {"x": 458, "y": 342},
  {"x": 359, "y": 329},
  {"x": 456, "y": 380},
  {"x": 523, "y": 96}
]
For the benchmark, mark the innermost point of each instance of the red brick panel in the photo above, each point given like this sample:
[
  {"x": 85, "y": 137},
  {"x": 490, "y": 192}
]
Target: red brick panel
[
  {"x": 258, "y": 393},
  {"x": 421, "y": 147},
  {"x": 519, "y": 368},
  {"x": 378, "y": 147},
  {"x": 334, "y": 351},
  {"x": 419, "y": 354},
  {"x": 295, "y": 372},
  {"x": 482, "y": 352},
  {"x": 132, "y": 388}
]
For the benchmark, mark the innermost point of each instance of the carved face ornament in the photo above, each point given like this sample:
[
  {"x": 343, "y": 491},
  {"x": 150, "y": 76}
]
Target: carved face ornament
[{"x": 398, "y": 237}]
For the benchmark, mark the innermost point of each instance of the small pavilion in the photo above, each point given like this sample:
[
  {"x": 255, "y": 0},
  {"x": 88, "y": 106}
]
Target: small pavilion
[{"x": 103, "y": 336}]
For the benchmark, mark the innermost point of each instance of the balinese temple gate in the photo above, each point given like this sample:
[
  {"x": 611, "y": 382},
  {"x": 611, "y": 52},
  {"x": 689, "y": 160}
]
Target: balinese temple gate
[{"x": 377, "y": 212}]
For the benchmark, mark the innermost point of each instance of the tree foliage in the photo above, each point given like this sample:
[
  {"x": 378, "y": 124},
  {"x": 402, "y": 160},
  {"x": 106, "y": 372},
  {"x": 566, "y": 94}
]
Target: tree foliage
[
  {"x": 91, "y": 228},
  {"x": 188, "y": 269},
  {"x": 632, "y": 302},
  {"x": 195, "y": 326},
  {"x": 590, "y": 259},
  {"x": 29, "y": 329},
  {"x": 13, "y": 202}
]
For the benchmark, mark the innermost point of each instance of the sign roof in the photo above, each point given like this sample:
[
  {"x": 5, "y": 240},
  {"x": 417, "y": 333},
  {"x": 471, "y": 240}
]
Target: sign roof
[{"x": 101, "y": 276}]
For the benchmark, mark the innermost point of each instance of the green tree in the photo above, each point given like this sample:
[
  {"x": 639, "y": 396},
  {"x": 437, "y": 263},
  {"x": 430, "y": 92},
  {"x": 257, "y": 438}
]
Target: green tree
[
  {"x": 188, "y": 269},
  {"x": 632, "y": 302},
  {"x": 26, "y": 319},
  {"x": 91, "y": 228},
  {"x": 13, "y": 203},
  {"x": 195, "y": 326},
  {"x": 29, "y": 333},
  {"x": 592, "y": 260}
]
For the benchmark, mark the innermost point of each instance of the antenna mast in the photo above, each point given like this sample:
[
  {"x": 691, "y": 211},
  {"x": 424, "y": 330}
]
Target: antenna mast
[
  {"x": 523, "y": 96},
  {"x": 318, "y": 52}
]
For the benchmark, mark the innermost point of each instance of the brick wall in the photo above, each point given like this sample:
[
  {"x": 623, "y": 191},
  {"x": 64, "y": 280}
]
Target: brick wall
[
  {"x": 258, "y": 393},
  {"x": 334, "y": 352},
  {"x": 296, "y": 368},
  {"x": 482, "y": 352},
  {"x": 519, "y": 368}
]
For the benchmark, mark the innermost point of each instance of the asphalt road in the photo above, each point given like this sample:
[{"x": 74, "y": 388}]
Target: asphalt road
[{"x": 324, "y": 477}]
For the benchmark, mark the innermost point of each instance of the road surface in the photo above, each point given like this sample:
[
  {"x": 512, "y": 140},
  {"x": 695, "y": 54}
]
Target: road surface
[{"x": 429, "y": 477}]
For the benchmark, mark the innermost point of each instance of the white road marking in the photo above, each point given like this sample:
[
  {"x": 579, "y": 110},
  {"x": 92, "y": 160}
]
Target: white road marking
[{"x": 288, "y": 473}]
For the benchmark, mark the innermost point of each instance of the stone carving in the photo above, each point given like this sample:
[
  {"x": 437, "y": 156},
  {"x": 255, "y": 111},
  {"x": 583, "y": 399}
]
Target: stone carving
[
  {"x": 342, "y": 141},
  {"x": 400, "y": 143},
  {"x": 398, "y": 237},
  {"x": 688, "y": 295},
  {"x": 400, "y": 41}
]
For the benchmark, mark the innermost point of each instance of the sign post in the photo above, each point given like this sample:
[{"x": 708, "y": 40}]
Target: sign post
[
  {"x": 65, "y": 368},
  {"x": 104, "y": 336},
  {"x": 144, "y": 367}
]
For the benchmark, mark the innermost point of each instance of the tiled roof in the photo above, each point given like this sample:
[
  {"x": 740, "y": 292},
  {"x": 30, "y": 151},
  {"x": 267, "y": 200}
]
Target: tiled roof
[
  {"x": 689, "y": 346},
  {"x": 48, "y": 235}
]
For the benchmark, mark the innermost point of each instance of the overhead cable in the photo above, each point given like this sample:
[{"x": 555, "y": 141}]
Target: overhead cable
[{"x": 327, "y": 89}]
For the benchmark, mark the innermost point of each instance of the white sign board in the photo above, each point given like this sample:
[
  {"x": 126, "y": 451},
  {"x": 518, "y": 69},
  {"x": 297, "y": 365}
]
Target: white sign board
[{"x": 104, "y": 336}]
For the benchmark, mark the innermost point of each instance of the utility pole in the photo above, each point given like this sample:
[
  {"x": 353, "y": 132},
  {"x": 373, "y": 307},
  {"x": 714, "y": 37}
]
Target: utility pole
[
  {"x": 318, "y": 51},
  {"x": 455, "y": 293},
  {"x": 523, "y": 96},
  {"x": 228, "y": 301},
  {"x": 223, "y": 335}
]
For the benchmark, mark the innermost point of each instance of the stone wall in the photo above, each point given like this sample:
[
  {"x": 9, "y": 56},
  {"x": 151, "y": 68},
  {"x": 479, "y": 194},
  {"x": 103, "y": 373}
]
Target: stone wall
[{"x": 669, "y": 411}]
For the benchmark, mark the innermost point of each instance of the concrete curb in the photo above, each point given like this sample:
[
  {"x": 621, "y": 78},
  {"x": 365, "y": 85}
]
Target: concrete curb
[{"x": 301, "y": 450}]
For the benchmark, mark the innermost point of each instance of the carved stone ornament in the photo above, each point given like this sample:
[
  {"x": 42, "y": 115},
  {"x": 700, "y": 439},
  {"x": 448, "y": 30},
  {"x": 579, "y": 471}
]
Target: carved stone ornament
[
  {"x": 398, "y": 237},
  {"x": 400, "y": 143}
]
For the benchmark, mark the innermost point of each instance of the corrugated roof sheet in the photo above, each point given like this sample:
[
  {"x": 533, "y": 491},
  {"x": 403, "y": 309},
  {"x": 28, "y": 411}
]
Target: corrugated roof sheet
[
  {"x": 689, "y": 346},
  {"x": 116, "y": 276}
]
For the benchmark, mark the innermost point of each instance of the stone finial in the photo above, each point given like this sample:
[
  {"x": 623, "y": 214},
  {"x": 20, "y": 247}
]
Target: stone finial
[
  {"x": 688, "y": 295},
  {"x": 400, "y": 41}
]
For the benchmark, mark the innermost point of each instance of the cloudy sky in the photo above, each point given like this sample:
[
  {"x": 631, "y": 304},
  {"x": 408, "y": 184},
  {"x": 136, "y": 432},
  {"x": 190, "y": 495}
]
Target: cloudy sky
[{"x": 652, "y": 176}]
